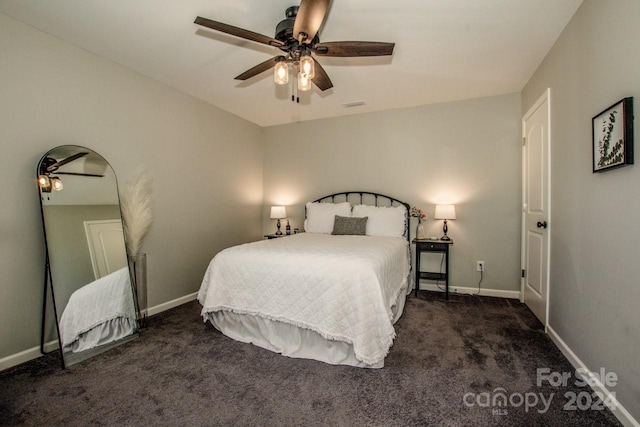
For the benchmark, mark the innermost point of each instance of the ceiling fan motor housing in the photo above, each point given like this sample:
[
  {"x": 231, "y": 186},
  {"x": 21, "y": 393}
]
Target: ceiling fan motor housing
[
  {"x": 48, "y": 165},
  {"x": 292, "y": 12},
  {"x": 284, "y": 30}
]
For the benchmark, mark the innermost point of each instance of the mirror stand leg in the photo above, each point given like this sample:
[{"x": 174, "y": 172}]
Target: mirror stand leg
[
  {"x": 55, "y": 313},
  {"x": 44, "y": 304},
  {"x": 47, "y": 282}
]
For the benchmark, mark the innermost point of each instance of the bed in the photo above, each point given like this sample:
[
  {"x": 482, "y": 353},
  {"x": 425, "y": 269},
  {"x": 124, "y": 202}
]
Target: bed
[
  {"x": 99, "y": 313},
  {"x": 331, "y": 294}
]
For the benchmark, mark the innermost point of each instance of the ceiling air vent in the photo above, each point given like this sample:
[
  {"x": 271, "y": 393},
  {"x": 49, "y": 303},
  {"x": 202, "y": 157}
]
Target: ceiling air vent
[{"x": 353, "y": 104}]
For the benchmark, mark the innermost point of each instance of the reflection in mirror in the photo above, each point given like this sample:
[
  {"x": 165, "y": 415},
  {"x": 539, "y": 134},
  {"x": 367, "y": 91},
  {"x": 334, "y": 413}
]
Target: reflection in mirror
[{"x": 86, "y": 268}]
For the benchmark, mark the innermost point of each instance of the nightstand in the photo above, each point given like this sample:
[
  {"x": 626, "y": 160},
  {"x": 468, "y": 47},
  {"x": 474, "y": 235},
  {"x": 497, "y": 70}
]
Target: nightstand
[
  {"x": 274, "y": 236},
  {"x": 433, "y": 246}
]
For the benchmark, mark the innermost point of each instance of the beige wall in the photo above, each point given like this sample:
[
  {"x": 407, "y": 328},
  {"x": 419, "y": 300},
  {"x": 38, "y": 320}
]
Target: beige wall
[
  {"x": 466, "y": 153},
  {"x": 594, "y": 227},
  {"x": 206, "y": 165}
]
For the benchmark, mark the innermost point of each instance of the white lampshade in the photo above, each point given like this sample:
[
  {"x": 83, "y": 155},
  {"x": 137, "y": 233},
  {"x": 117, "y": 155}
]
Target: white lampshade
[
  {"x": 445, "y": 212},
  {"x": 278, "y": 212}
]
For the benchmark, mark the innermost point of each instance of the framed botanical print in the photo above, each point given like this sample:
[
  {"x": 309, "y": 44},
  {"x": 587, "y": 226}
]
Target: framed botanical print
[{"x": 613, "y": 136}]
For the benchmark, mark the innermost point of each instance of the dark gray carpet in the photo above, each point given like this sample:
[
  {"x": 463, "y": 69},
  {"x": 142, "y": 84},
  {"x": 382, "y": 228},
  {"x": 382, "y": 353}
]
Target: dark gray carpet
[{"x": 183, "y": 372}]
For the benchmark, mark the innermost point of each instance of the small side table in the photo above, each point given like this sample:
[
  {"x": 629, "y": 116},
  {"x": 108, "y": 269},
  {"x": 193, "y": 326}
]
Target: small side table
[
  {"x": 437, "y": 246},
  {"x": 274, "y": 236}
]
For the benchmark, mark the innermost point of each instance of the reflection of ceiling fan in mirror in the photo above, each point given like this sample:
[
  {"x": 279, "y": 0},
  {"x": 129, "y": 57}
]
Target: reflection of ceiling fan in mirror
[
  {"x": 49, "y": 165},
  {"x": 297, "y": 36}
]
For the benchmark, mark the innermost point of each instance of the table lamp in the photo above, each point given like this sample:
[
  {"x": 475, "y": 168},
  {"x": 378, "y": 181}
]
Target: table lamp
[{"x": 278, "y": 212}]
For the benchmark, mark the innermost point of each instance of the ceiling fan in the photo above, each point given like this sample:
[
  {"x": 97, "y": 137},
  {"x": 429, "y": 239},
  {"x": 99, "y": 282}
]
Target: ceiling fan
[
  {"x": 49, "y": 165},
  {"x": 297, "y": 37}
]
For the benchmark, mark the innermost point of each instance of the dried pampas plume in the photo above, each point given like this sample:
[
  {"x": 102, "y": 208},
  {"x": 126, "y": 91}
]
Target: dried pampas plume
[{"x": 137, "y": 211}]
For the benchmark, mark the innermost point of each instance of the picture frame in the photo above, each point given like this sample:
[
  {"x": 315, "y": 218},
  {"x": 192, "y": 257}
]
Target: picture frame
[{"x": 612, "y": 131}]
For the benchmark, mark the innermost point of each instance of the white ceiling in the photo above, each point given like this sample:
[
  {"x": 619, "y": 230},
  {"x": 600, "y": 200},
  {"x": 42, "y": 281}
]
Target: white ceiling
[{"x": 445, "y": 50}]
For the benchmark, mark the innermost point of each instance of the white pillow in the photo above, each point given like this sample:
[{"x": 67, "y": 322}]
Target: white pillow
[
  {"x": 320, "y": 216},
  {"x": 383, "y": 221}
]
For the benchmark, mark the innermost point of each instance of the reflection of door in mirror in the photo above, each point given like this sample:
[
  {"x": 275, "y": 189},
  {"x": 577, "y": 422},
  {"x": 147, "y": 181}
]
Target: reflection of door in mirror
[
  {"x": 89, "y": 280},
  {"x": 106, "y": 246}
]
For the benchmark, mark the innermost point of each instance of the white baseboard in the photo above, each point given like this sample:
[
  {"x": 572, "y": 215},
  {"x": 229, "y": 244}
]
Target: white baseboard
[
  {"x": 26, "y": 355},
  {"x": 171, "y": 304},
  {"x": 33, "y": 353},
  {"x": 594, "y": 378},
  {"x": 51, "y": 346},
  {"x": 472, "y": 291},
  {"x": 18, "y": 358}
]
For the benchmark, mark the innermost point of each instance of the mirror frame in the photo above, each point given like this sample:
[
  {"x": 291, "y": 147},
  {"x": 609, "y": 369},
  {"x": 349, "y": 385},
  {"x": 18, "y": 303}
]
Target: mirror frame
[{"x": 48, "y": 285}]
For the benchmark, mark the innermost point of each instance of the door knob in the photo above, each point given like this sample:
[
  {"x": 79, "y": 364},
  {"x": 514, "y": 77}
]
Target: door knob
[{"x": 542, "y": 224}]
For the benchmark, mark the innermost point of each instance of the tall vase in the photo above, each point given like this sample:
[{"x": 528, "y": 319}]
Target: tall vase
[
  {"x": 420, "y": 233},
  {"x": 138, "y": 267}
]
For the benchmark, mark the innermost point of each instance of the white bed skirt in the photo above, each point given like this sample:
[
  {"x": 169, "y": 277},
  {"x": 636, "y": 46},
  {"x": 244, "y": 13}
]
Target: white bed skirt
[
  {"x": 104, "y": 333},
  {"x": 293, "y": 341}
]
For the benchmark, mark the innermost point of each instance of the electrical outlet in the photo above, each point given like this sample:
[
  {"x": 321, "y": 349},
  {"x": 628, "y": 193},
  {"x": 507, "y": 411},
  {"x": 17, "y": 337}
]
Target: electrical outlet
[{"x": 480, "y": 266}]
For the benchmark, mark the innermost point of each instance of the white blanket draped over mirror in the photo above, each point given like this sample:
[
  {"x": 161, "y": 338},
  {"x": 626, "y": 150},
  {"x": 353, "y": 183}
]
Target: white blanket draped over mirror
[{"x": 340, "y": 295}]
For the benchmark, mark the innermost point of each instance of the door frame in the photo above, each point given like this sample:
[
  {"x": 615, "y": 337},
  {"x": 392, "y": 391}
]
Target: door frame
[{"x": 546, "y": 96}]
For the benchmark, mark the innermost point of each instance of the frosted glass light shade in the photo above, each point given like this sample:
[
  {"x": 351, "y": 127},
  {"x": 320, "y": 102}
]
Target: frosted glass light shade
[
  {"x": 304, "y": 83},
  {"x": 56, "y": 184},
  {"x": 281, "y": 72},
  {"x": 445, "y": 212},
  {"x": 307, "y": 67},
  {"x": 278, "y": 212},
  {"x": 43, "y": 181}
]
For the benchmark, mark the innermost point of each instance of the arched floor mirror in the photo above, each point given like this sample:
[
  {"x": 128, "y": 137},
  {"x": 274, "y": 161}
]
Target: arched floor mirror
[{"x": 86, "y": 271}]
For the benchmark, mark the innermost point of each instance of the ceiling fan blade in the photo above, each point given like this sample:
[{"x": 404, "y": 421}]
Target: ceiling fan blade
[
  {"x": 352, "y": 49},
  {"x": 63, "y": 162},
  {"x": 321, "y": 78},
  {"x": 238, "y": 32},
  {"x": 78, "y": 174},
  {"x": 309, "y": 19},
  {"x": 264, "y": 66}
]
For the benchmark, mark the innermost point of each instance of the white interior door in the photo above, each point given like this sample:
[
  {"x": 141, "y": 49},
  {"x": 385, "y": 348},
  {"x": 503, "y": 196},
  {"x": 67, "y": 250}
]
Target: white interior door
[
  {"x": 535, "y": 208},
  {"x": 106, "y": 246}
]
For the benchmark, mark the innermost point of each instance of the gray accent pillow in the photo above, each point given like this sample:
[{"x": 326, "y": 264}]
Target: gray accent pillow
[{"x": 343, "y": 225}]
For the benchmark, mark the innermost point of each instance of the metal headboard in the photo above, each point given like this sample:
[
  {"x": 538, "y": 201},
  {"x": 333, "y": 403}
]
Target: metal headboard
[{"x": 388, "y": 201}]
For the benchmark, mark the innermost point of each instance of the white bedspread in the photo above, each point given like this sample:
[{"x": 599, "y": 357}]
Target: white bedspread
[
  {"x": 342, "y": 287},
  {"x": 100, "y": 301}
]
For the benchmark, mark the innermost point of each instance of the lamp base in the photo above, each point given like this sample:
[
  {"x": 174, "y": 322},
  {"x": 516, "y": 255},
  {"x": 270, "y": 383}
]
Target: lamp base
[
  {"x": 444, "y": 230},
  {"x": 278, "y": 233}
]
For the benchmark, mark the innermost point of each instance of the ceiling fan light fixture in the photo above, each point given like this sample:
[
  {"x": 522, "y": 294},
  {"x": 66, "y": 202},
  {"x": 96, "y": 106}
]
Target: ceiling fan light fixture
[
  {"x": 307, "y": 68},
  {"x": 297, "y": 36},
  {"x": 281, "y": 71},
  {"x": 304, "y": 83}
]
